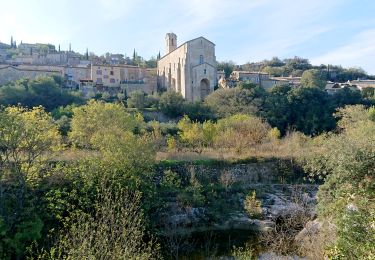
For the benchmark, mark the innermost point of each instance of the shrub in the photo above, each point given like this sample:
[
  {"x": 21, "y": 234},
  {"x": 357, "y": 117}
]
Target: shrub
[
  {"x": 274, "y": 134},
  {"x": 241, "y": 131},
  {"x": 243, "y": 253},
  {"x": 253, "y": 205},
  {"x": 96, "y": 117},
  {"x": 171, "y": 144},
  {"x": 137, "y": 99},
  {"x": 114, "y": 228},
  {"x": 171, "y": 103}
]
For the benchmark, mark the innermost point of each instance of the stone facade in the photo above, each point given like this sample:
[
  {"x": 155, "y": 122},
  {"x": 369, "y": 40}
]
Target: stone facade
[
  {"x": 254, "y": 77},
  {"x": 189, "y": 69},
  {"x": 126, "y": 77},
  {"x": 74, "y": 74},
  {"x": 12, "y": 73},
  {"x": 259, "y": 78}
]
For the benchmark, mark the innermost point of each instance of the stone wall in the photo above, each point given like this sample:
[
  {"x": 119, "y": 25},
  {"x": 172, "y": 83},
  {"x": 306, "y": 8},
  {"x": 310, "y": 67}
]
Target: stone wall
[
  {"x": 11, "y": 73},
  {"x": 263, "y": 172}
]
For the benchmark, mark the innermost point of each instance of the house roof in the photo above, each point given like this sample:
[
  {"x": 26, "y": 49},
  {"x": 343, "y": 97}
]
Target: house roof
[
  {"x": 249, "y": 72},
  {"x": 118, "y": 65}
]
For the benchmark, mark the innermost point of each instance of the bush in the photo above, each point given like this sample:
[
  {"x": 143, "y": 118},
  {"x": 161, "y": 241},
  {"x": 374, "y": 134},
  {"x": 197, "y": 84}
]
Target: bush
[
  {"x": 243, "y": 253},
  {"x": 98, "y": 117},
  {"x": 197, "y": 111},
  {"x": 114, "y": 228},
  {"x": 240, "y": 132},
  {"x": 171, "y": 144},
  {"x": 253, "y": 206},
  {"x": 140, "y": 100},
  {"x": 171, "y": 103}
]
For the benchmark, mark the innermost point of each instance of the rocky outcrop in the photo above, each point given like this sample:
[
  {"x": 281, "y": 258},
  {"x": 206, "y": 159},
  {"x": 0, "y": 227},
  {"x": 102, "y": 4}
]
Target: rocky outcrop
[
  {"x": 312, "y": 229},
  {"x": 277, "y": 202},
  {"x": 278, "y": 199}
]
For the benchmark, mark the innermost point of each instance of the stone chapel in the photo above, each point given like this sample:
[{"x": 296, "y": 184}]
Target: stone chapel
[{"x": 189, "y": 69}]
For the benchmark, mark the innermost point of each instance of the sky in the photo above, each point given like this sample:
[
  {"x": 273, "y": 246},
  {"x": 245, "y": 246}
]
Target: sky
[{"x": 340, "y": 32}]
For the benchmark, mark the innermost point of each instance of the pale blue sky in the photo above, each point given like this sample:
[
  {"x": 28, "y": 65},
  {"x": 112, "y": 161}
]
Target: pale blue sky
[{"x": 324, "y": 31}]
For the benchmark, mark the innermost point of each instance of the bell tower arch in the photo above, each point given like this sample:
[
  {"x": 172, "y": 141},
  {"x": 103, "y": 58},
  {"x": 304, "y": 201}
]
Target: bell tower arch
[{"x": 170, "y": 42}]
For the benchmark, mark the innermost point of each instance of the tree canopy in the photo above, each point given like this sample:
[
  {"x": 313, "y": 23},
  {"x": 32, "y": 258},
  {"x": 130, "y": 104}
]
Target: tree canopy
[
  {"x": 43, "y": 91},
  {"x": 95, "y": 117}
]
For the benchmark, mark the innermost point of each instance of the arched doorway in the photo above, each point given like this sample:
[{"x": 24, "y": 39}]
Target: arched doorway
[{"x": 205, "y": 88}]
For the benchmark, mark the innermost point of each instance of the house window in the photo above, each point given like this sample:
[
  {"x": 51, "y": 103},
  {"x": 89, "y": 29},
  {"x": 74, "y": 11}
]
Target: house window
[
  {"x": 99, "y": 72},
  {"x": 205, "y": 71},
  {"x": 111, "y": 72},
  {"x": 105, "y": 76},
  {"x": 112, "y": 81},
  {"x": 99, "y": 80},
  {"x": 201, "y": 59}
]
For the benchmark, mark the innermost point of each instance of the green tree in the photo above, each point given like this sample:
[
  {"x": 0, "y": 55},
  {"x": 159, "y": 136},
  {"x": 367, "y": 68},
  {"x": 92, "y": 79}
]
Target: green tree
[
  {"x": 227, "y": 102},
  {"x": 311, "y": 110},
  {"x": 277, "y": 109},
  {"x": 346, "y": 96},
  {"x": 171, "y": 103},
  {"x": 138, "y": 100},
  {"x": 197, "y": 111},
  {"x": 274, "y": 62},
  {"x": 313, "y": 78},
  {"x": 28, "y": 138},
  {"x": 227, "y": 67},
  {"x": 275, "y": 71},
  {"x": 368, "y": 93},
  {"x": 44, "y": 91},
  {"x": 96, "y": 117},
  {"x": 297, "y": 63}
]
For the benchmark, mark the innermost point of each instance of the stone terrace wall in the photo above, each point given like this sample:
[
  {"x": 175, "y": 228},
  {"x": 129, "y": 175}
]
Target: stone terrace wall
[
  {"x": 267, "y": 172},
  {"x": 10, "y": 73}
]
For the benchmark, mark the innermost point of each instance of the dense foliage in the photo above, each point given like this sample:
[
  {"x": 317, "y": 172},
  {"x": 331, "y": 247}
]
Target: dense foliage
[
  {"x": 297, "y": 66},
  {"x": 346, "y": 161},
  {"x": 43, "y": 91},
  {"x": 307, "y": 109},
  {"x": 41, "y": 199}
]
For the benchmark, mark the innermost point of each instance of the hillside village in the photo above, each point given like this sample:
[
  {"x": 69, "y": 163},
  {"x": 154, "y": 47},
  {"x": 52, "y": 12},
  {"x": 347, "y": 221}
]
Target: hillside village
[{"x": 116, "y": 73}]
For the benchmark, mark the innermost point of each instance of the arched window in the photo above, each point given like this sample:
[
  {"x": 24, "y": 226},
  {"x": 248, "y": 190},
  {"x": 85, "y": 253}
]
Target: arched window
[{"x": 201, "y": 59}]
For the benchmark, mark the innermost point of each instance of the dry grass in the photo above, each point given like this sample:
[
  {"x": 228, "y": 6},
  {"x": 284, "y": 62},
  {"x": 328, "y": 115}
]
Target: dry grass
[{"x": 292, "y": 146}]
